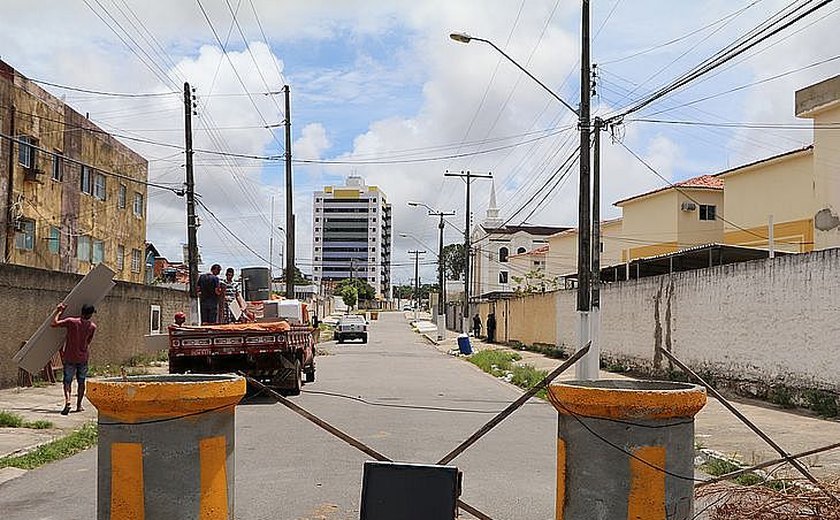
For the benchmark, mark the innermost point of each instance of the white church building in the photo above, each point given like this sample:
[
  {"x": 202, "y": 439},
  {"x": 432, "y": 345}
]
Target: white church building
[{"x": 493, "y": 242}]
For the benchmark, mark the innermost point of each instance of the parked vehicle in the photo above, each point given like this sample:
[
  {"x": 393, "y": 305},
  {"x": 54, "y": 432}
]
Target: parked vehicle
[
  {"x": 280, "y": 353},
  {"x": 351, "y": 326}
]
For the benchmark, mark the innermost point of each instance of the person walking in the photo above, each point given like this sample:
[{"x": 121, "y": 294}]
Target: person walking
[
  {"x": 209, "y": 290},
  {"x": 491, "y": 327},
  {"x": 75, "y": 352},
  {"x": 476, "y": 325}
]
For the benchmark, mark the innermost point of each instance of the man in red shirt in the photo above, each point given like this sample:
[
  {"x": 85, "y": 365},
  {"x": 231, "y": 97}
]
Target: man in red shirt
[{"x": 74, "y": 354}]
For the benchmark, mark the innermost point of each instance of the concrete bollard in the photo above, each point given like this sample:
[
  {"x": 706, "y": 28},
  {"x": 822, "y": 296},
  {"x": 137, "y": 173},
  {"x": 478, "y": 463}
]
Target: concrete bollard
[
  {"x": 166, "y": 446},
  {"x": 615, "y": 438}
]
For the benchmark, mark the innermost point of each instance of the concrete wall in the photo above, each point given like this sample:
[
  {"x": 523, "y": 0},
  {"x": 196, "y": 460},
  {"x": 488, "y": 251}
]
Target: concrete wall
[
  {"x": 29, "y": 295},
  {"x": 765, "y": 321}
]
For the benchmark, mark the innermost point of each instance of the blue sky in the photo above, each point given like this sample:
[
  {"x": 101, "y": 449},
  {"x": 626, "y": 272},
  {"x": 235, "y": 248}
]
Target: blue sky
[{"x": 375, "y": 80}]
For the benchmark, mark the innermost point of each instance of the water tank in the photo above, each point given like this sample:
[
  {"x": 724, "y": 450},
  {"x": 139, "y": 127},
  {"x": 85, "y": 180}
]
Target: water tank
[{"x": 256, "y": 283}]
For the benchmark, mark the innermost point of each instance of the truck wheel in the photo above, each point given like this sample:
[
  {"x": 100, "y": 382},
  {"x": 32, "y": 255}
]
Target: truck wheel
[
  {"x": 364, "y": 338},
  {"x": 309, "y": 374},
  {"x": 297, "y": 382}
]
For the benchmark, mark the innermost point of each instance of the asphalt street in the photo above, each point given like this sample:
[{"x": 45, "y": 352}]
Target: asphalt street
[{"x": 398, "y": 395}]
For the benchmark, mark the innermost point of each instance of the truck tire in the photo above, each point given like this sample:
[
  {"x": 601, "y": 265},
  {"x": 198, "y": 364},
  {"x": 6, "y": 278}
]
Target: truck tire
[
  {"x": 309, "y": 374},
  {"x": 364, "y": 338},
  {"x": 297, "y": 381}
]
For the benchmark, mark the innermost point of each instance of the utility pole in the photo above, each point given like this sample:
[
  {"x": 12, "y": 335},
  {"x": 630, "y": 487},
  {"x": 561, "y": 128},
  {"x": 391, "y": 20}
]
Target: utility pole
[
  {"x": 586, "y": 368},
  {"x": 468, "y": 178},
  {"x": 441, "y": 314},
  {"x": 595, "y": 327},
  {"x": 192, "y": 224},
  {"x": 271, "y": 246},
  {"x": 416, "y": 279},
  {"x": 290, "y": 216}
]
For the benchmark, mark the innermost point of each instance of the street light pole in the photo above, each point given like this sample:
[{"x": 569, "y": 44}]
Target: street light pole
[
  {"x": 441, "y": 319},
  {"x": 416, "y": 254},
  {"x": 587, "y": 367}
]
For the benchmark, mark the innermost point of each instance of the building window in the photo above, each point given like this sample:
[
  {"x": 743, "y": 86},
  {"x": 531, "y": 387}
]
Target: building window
[
  {"x": 99, "y": 186},
  {"x": 317, "y": 239},
  {"x": 707, "y": 212},
  {"x": 86, "y": 180},
  {"x": 317, "y": 219},
  {"x": 26, "y": 151},
  {"x": 98, "y": 252},
  {"x": 121, "y": 196},
  {"x": 54, "y": 240},
  {"x": 503, "y": 256},
  {"x": 25, "y": 234},
  {"x": 135, "y": 260},
  {"x": 57, "y": 166},
  {"x": 138, "y": 204},
  {"x": 520, "y": 250},
  {"x": 120, "y": 257},
  {"x": 83, "y": 248},
  {"x": 503, "y": 277},
  {"x": 154, "y": 320}
]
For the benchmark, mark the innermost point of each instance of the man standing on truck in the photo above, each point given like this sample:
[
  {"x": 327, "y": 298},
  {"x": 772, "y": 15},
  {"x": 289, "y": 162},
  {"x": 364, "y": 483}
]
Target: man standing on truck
[
  {"x": 232, "y": 294},
  {"x": 209, "y": 290},
  {"x": 74, "y": 354}
]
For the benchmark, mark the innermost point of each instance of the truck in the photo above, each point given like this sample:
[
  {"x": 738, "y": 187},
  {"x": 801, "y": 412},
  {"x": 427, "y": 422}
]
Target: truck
[{"x": 276, "y": 350}]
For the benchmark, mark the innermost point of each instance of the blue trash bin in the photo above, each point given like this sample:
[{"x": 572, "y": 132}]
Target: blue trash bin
[{"x": 464, "y": 344}]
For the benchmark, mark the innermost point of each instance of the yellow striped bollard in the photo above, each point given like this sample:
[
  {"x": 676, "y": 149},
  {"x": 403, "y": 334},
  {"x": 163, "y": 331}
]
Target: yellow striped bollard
[
  {"x": 166, "y": 446},
  {"x": 625, "y": 449}
]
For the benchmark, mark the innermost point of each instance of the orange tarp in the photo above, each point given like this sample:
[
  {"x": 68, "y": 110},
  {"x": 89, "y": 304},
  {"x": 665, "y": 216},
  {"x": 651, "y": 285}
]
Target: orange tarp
[{"x": 272, "y": 326}]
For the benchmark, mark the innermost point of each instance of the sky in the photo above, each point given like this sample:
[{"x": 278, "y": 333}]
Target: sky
[{"x": 378, "y": 89}]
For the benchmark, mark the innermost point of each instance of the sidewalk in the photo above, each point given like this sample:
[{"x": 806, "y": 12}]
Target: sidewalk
[{"x": 717, "y": 429}]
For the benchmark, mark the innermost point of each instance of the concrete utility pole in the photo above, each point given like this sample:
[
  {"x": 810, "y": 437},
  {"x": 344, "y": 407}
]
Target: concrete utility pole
[
  {"x": 192, "y": 224},
  {"x": 468, "y": 178},
  {"x": 416, "y": 279},
  {"x": 441, "y": 319},
  {"x": 587, "y": 368},
  {"x": 290, "y": 216},
  {"x": 595, "y": 325}
]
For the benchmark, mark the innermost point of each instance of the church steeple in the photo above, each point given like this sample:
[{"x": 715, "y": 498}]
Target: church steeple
[{"x": 492, "y": 219}]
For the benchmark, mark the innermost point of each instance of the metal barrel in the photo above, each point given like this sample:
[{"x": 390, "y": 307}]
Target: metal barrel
[
  {"x": 625, "y": 449},
  {"x": 166, "y": 446}
]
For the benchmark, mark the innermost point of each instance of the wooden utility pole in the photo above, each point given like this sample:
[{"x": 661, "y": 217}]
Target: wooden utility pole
[
  {"x": 192, "y": 224},
  {"x": 468, "y": 178},
  {"x": 290, "y": 215},
  {"x": 417, "y": 278}
]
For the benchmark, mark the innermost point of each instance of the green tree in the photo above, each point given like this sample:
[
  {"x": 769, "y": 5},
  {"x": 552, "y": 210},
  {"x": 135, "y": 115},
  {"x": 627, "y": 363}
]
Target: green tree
[
  {"x": 453, "y": 261},
  {"x": 355, "y": 289},
  {"x": 299, "y": 278}
]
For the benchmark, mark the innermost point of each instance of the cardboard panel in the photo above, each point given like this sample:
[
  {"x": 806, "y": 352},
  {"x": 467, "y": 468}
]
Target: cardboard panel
[{"x": 46, "y": 341}]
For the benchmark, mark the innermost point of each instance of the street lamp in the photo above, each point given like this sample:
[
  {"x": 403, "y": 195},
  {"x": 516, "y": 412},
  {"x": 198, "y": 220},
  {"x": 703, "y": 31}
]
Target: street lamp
[
  {"x": 441, "y": 320},
  {"x": 587, "y": 368}
]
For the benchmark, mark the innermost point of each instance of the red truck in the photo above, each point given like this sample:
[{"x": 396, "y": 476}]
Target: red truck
[{"x": 277, "y": 354}]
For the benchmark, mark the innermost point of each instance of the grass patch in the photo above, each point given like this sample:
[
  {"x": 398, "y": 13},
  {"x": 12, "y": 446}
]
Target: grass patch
[
  {"x": 59, "y": 449},
  {"x": 502, "y": 364},
  {"x": 822, "y": 402},
  {"x": 718, "y": 467},
  {"x": 546, "y": 349},
  {"x": 15, "y": 420},
  {"x": 10, "y": 420}
]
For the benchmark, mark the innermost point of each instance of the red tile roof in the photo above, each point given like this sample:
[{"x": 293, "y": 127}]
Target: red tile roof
[
  {"x": 542, "y": 250},
  {"x": 706, "y": 182}
]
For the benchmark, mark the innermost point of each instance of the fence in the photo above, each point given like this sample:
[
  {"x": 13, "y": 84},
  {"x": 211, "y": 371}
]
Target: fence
[
  {"x": 129, "y": 312},
  {"x": 763, "y": 322}
]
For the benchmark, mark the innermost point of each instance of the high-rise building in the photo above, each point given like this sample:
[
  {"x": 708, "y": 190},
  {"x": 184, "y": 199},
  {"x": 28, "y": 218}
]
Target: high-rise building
[{"x": 352, "y": 235}]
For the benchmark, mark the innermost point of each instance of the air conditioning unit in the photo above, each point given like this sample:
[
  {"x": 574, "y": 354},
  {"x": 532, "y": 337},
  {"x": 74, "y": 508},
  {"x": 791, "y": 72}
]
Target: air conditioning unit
[
  {"x": 688, "y": 206},
  {"x": 33, "y": 174}
]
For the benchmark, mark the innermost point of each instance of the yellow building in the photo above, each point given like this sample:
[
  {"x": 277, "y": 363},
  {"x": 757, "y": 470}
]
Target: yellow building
[
  {"x": 71, "y": 196},
  {"x": 672, "y": 218},
  {"x": 561, "y": 259},
  {"x": 781, "y": 189}
]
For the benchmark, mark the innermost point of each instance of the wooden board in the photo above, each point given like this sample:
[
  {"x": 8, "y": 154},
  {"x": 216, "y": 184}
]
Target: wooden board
[{"x": 46, "y": 341}]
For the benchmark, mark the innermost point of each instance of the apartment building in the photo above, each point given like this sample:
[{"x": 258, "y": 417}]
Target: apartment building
[
  {"x": 352, "y": 233},
  {"x": 71, "y": 196}
]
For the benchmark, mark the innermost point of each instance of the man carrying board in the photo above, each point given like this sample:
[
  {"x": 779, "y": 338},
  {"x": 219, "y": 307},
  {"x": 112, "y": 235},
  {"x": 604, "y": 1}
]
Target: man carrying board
[{"x": 75, "y": 353}]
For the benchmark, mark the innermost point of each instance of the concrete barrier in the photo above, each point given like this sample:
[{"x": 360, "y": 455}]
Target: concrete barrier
[
  {"x": 166, "y": 446},
  {"x": 625, "y": 449}
]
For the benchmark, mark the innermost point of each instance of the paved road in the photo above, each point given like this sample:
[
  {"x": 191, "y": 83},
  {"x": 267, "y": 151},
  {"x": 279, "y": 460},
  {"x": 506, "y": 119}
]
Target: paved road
[{"x": 288, "y": 469}]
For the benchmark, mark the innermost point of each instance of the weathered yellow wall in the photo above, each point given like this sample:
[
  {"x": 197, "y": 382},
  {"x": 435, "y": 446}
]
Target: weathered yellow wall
[
  {"x": 61, "y": 203},
  {"x": 562, "y": 248},
  {"x": 527, "y": 319},
  {"x": 784, "y": 188},
  {"x": 827, "y": 181}
]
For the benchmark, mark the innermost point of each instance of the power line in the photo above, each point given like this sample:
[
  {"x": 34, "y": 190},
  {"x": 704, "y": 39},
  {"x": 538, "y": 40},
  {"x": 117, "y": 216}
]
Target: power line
[{"x": 102, "y": 92}]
